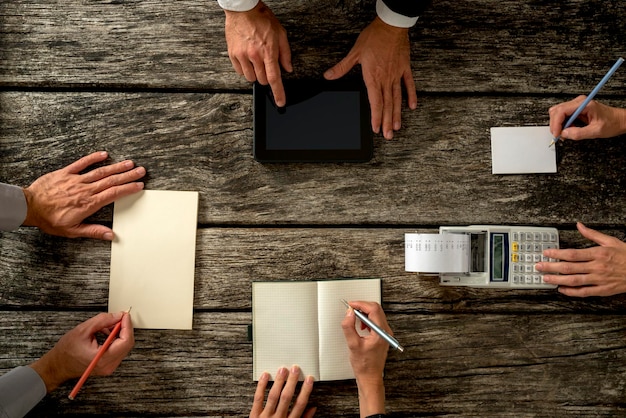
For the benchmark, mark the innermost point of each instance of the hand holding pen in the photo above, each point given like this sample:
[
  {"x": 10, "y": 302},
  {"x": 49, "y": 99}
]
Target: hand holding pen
[
  {"x": 69, "y": 358},
  {"x": 585, "y": 100},
  {"x": 368, "y": 355}
]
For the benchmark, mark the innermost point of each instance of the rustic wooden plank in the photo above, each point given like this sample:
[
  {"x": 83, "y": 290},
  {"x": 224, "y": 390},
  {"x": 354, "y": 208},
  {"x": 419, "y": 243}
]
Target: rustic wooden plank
[
  {"x": 437, "y": 170},
  {"x": 56, "y": 273},
  {"x": 454, "y": 365},
  {"x": 459, "y": 46}
]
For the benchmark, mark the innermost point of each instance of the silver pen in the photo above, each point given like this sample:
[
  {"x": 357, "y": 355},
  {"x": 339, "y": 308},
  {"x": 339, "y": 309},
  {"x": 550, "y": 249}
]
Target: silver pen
[{"x": 392, "y": 341}]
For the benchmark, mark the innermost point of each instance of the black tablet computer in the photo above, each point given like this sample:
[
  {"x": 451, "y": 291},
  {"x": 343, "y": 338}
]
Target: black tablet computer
[{"x": 322, "y": 121}]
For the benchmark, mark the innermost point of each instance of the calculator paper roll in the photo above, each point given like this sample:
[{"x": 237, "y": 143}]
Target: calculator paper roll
[{"x": 436, "y": 253}]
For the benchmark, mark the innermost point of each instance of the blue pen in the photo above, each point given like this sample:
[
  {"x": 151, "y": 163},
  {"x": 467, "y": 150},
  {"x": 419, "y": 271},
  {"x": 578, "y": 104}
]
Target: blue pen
[{"x": 590, "y": 97}]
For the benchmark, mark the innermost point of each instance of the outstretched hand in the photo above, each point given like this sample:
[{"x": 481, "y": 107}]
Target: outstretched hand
[
  {"x": 385, "y": 57},
  {"x": 595, "y": 271},
  {"x": 59, "y": 202},
  {"x": 280, "y": 395}
]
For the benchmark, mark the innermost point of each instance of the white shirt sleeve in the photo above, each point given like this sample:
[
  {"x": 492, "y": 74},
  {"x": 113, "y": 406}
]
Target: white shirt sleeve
[
  {"x": 238, "y": 5},
  {"x": 20, "y": 390},
  {"x": 12, "y": 207},
  {"x": 392, "y": 18}
]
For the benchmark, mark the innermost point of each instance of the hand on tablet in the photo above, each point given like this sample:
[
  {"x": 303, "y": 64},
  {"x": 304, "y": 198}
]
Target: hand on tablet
[
  {"x": 258, "y": 46},
  {"x": 384, "y": 54}
]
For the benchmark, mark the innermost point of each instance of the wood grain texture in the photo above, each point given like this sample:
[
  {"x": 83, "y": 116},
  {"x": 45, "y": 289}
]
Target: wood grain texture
[
  {"x": 436, "y": 172},
  {"x": 151, "y": 81},
  {"x": 457, "y": 46},
  {"x": 491, "y": 365},
  {"x": 41, "y": 271}
]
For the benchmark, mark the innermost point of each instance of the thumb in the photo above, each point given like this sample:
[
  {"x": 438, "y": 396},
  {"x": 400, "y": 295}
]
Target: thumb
[
  {"x": 93, "y": 231},
  {"x": 593, "y": 235},
  {"x": 341, "y": 68}
]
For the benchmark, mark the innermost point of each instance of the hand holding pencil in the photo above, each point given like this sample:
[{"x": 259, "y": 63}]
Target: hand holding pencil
[{"x": 76, "y": 349}]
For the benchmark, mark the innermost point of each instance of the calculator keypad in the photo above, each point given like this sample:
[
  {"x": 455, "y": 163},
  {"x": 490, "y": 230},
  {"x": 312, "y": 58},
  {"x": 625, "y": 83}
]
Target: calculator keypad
[{"x": 527, "y": 250}]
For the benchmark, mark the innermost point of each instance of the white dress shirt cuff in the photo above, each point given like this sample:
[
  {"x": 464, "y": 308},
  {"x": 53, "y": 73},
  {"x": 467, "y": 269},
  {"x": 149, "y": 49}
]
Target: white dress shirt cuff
[
  {"x": 392, "y": 18},
  {"x": 238, "y": 5}
]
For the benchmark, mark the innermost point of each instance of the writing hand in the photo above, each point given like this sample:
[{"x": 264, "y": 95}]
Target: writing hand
[
  {"x": 595, "y": 271},
  {"x": 601, "y": 121},
  {"x": 279, "y": 397},
  {"x": 368, "y": 355},
  {"x": 384, "y": 54},
  {"x": 59, "y": 202},
  {"x": 257, "y": 43},
  {"x": 74, "y": 351}
]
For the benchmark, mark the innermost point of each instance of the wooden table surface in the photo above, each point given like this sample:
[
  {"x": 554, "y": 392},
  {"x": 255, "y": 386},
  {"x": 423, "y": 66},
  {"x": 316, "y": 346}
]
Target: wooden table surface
[{"x": 151, "y": 81}]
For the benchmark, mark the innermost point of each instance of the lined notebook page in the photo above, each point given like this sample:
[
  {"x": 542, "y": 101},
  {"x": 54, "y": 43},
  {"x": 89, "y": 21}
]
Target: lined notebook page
[
  {"x": 153, "y": 258},
  {"x": 333, "y": 350},
  {"x": 284, "y": 317}
]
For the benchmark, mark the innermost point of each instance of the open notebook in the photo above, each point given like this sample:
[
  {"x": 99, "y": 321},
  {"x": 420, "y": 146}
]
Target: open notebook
[{"x": 300, "y": 323}]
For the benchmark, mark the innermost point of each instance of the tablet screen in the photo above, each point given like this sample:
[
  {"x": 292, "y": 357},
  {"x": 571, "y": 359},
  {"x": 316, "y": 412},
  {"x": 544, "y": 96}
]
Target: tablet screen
[{"x": 322, "y": 121}]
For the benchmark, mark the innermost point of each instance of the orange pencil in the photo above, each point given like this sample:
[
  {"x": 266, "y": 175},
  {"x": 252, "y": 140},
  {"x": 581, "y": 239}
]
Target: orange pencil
[{"x": 98, "y": 356}]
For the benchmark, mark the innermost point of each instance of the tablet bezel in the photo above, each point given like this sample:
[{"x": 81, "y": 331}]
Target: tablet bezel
[{"x": 363, "y": 154}]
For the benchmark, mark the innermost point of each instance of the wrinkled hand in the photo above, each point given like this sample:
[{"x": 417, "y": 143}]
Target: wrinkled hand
[
  {"x": 279, "y": 397},
  {"x": 72, "y": 354},
  {"x": 385, "y": 57},
  {"x": 257, "y": 43},
  {"x": 59, "y": 202},
  {"x": 602, "y": 121},
  {"x": 595, "y": 271},
  {"x": 368, "y": 355}
]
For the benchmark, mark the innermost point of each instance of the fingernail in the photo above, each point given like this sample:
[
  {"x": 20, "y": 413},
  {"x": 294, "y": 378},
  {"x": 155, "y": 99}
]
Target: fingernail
[
  {"x": 282, "y": 372},
  {"x": 329, "y": 73},
  {"x": 103, "y": 154},
  {"x": 264, "y": 376},
  {"x": 108, "y": 236},
  {"x": 396, "y": 126},
  {"x": 129, "y": 164},
  {"x": 547, "y": 279},
  {"x": 140, "y": 170},
  {"x": 389, "y": 134},
  {"x": 309, "y": 380},
  {"x": 295, "y": 369}
]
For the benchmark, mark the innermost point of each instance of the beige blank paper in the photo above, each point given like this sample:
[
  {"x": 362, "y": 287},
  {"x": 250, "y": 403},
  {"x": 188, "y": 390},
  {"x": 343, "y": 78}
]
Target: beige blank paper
[{"x": 153, "y": 258}]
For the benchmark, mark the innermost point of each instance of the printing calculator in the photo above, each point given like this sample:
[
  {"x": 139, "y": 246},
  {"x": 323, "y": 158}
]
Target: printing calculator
[{"x": 503, "y": 256}]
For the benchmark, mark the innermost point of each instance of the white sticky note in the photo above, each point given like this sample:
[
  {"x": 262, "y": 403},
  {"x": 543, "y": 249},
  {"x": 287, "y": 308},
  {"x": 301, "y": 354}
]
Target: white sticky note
[
  {"x": 153, "y": 258},
  {"x": 520, "y": 150}
]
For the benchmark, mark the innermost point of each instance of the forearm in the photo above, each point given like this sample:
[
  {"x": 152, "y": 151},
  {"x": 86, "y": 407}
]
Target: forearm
[{"x": 371, "y": 398}]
